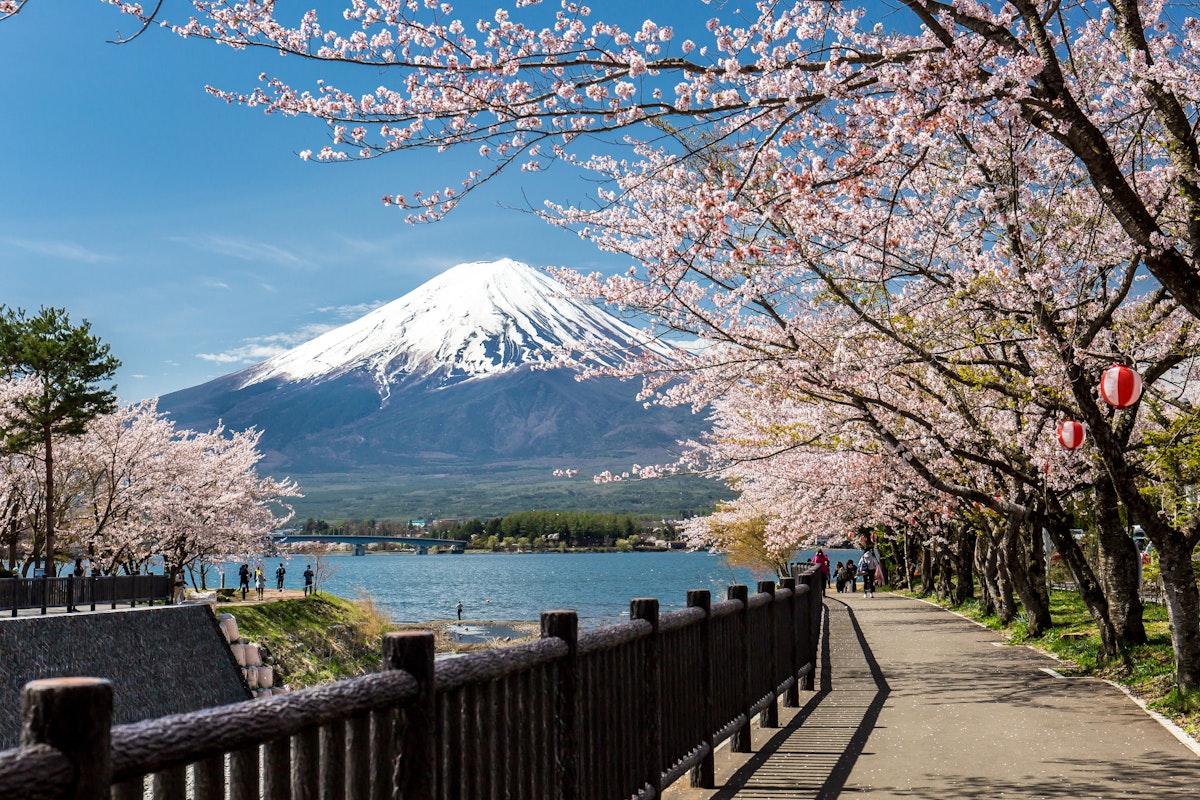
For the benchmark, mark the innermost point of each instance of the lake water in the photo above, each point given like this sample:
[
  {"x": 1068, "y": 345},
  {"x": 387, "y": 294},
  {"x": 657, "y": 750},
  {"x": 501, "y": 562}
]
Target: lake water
[{"x": 517, "y": 587}]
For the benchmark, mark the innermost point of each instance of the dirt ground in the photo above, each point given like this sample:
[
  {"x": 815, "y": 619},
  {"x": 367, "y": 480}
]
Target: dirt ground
[
  {"x": 468, "y": 636},
  {"x": 269, "y": 596}
]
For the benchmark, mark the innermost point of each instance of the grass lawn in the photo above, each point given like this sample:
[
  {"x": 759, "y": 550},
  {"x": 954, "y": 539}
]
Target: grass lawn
[{"x": 1146, "y": 671}]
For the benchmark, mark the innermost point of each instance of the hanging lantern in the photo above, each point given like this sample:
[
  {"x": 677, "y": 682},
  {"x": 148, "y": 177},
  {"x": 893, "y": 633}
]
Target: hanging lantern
[
  {"x": 1071, "y": 434},
  {"x": 1120, "y": 386}
]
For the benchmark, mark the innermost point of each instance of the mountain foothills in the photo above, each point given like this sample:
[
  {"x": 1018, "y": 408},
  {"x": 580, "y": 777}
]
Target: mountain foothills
[{"x": 453, "y": 377}]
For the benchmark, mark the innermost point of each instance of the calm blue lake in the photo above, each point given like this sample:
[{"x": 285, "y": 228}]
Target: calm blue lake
[{"x": 513, "y": 587}]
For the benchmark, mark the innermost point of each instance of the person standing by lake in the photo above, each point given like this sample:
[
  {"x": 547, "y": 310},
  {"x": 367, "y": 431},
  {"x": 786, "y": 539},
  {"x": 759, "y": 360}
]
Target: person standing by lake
[
  {"x": 244, "y": 579},
  {"x": 822, "y": 561},
  {"x": 260, "y": 582},
  {"x": 279, "y": 573},
  {"x": 308, "y": 580},
  {"x": 180, "y": 587}
]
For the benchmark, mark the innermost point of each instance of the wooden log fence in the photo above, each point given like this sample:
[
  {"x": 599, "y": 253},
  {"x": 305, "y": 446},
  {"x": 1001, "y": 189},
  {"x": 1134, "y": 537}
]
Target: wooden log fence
[{"x": 617, "y": 712}]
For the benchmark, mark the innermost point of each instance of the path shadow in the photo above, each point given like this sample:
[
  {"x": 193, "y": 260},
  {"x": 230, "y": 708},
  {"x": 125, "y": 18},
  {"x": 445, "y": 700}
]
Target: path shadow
[
  {"x": 833, "y": 784},
  {"x": 858, "y": 741}
]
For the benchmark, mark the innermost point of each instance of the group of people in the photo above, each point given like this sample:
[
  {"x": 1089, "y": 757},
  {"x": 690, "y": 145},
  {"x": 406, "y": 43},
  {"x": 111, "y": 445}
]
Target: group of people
[
  {"x": 846, "y": 573},
  {"x": 260, "y": 585}
]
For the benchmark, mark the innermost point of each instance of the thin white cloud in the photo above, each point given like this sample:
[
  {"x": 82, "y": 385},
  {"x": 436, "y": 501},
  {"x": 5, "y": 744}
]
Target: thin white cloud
[
  {"x": 66, "y": 251},
  {"x": 351, "y": 311},
  {"x": 260, "y": 348},
  {"x": 242, "y": 249}
]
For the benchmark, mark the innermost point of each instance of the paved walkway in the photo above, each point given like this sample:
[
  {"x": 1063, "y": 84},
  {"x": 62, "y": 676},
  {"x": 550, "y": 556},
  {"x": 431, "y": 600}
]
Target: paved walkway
[{"x": 915, "y": 702}]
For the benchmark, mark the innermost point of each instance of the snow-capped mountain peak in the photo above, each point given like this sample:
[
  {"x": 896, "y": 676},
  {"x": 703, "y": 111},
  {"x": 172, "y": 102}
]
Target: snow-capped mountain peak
[{"x": 473, "y": 320}]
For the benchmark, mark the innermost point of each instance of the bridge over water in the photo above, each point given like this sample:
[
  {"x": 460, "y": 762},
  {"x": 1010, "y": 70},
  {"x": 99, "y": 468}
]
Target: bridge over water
[{"x": 421, "y": 543}]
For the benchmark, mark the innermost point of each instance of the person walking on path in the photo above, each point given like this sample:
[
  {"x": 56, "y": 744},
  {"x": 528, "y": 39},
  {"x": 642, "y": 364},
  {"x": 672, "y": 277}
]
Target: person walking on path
[
  {"x": 75, "y": 585},
  {"x": 853, "y": 570},
  {"x": 279, "y": 573},
  {"x": 866, "y": 567},
  {"x": 460, "y": 610},
  {"x": 244, "y": 579},
  {"x": 179, "y": 590},
  {"x": 260, "y": 582},
  {"x": 308, "y": 580},
  {"x": 822, "y": 561},
  {"x": 841, "y": 574}
]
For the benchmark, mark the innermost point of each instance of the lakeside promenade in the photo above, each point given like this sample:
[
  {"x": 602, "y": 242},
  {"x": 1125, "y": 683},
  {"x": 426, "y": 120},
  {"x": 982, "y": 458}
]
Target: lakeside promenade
[{"x": 915, "y": 702}]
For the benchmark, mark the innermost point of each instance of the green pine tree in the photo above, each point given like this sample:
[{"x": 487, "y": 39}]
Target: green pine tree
[{"x": 67, "y": 364}]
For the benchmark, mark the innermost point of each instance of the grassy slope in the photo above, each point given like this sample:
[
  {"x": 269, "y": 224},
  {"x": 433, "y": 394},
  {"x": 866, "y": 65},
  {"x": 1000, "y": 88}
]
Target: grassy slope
[
  {"x": 1146, "y": 671},
  {"x": 316, "y": 639},
  {"x": 324, "y": 638}
]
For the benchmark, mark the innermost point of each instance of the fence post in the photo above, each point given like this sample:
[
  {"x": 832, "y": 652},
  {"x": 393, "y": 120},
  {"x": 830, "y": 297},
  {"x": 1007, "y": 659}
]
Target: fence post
[
  {"x": 565, "y": 625},
  {"x": 814, "y": 617},
  {"x": 74, "y": 716},
  {"x": 415, "y": 741},
  {"x": 769, "y": 718},
  {"x": 740, "y": 741},
  {"x": 647, "y": 608},
  {"x": 808, "y": 652},
  {"x": 792, "y": 698},
  {"x": 702, "y": 776},
  {"x": 45, "y": 592}
]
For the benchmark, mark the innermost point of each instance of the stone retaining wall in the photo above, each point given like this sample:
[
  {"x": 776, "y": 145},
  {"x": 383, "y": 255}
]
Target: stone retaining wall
[{"x": 161, "y": 660}]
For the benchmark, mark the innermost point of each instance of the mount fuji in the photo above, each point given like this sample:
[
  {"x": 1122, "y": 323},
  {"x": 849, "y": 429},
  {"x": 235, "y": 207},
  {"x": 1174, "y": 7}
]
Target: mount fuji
[{"x": 449, "y": 377}]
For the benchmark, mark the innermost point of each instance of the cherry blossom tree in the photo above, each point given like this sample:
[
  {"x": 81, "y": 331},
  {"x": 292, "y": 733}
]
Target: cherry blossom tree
[
  {"x": 1108, "y": 84},
  {"x": 877, "y": 218},
  {"x": 215, "y": 503},
  {"x": 134, "y": 488}
]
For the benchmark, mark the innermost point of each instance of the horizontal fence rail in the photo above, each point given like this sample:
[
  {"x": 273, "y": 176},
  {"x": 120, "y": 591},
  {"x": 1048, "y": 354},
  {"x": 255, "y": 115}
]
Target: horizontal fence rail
[
  {"x": 616, "y": 712},
  {"x": 90, "y": 592}
]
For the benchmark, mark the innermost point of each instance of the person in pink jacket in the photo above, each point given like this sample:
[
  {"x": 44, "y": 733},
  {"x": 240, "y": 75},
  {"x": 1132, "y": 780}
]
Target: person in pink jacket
[{"x": 822, "y": 561}]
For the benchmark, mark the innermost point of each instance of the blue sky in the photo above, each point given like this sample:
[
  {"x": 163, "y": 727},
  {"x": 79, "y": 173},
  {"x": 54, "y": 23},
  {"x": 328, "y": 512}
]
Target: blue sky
[{"x": 189, "y": 232}]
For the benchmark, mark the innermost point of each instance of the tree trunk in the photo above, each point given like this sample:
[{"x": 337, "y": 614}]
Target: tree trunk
[
  {"x": 1089, "y": 588},
  {"x": 986, "y": 569},
  {"x": 945, "y": 561},
  {"x": 48, "y": 443},
  {"x": 1035, "y": 566},
  {"x": 1007, "y": 610},
  {"x": 1183, "y": 608},
  {"x": 1119, "y": 567},
  {"x": 926, "y": 569},
  {"x": 1037, "y": 612},
  {"x": 964, "y": 572}
]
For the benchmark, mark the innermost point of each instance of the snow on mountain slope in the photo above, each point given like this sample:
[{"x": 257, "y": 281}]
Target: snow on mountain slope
[{"x": 473, "y": 320}]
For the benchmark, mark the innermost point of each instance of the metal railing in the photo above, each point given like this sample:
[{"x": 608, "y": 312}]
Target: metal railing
[
  {"x": 88, "y": 592},
  {"x": 617, "y": 712}
]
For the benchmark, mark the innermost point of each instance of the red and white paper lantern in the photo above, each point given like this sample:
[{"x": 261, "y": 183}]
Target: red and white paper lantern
[
  {"x": 1071, "y": 434},
  {"x": 1120, "y": 386}
]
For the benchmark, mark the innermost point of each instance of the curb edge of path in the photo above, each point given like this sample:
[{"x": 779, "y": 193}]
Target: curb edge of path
[{"x": 1179, "y": 733}]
